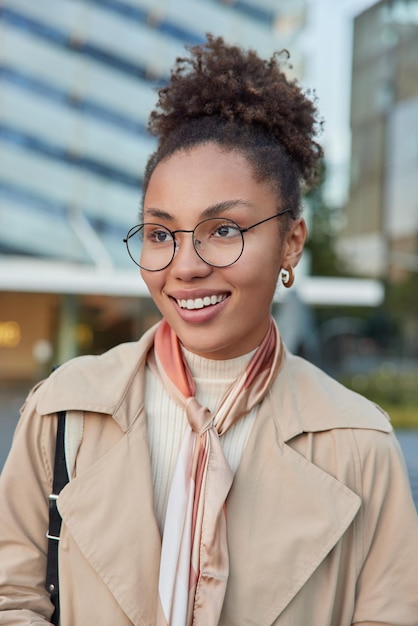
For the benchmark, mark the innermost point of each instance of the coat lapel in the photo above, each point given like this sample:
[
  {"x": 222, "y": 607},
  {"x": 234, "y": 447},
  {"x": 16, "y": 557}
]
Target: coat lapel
[
  {"x": 109, "y": 512},
  {"x": 284, "y": 516}
]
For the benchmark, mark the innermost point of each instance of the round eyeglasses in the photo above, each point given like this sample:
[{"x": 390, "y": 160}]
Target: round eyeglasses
[{"x": 218, "y": 241}]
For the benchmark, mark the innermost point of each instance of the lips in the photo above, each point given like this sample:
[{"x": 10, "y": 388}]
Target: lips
[{"x": 200, "y": 303}]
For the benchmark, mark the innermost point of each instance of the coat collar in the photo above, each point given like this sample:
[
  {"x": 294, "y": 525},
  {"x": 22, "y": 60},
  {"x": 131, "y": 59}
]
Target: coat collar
[
  {"x": 277, "y": 492},
  {"x": 308, "y": 399}
]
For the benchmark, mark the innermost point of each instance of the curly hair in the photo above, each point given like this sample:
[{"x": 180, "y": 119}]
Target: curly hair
[{"x": 230, "y": 96}]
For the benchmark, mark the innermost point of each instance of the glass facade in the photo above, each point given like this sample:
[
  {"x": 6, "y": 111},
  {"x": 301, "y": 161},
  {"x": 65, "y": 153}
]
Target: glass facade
[{"x": 77, "y": 82}]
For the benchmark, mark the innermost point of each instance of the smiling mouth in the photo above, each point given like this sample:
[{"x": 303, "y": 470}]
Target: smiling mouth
[{"x": 201, "y": 303}]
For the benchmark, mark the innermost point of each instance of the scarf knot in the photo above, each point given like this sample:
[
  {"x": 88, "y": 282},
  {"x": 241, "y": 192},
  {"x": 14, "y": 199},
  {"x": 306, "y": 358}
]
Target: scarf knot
[{"x": 199, "y": 417}]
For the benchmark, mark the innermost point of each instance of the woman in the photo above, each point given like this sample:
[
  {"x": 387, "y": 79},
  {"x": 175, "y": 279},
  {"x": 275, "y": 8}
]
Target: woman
[{"x": 218, "y": 479}]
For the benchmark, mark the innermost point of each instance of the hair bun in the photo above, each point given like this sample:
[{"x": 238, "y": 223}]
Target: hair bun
[{"x": 238, "y": 86}]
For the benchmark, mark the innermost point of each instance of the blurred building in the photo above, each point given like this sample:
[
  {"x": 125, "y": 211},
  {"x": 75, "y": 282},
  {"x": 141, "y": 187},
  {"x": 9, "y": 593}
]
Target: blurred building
[
  {"x": 77, "y": 81},
  {"x": 381, "y": 234}
]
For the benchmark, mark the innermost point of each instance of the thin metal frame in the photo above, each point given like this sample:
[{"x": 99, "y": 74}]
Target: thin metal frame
[{"x": 173, "y": 233}]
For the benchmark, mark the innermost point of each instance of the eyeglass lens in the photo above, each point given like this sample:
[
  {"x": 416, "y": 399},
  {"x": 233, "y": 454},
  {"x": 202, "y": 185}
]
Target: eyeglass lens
[{"x": 218, "y": 241}]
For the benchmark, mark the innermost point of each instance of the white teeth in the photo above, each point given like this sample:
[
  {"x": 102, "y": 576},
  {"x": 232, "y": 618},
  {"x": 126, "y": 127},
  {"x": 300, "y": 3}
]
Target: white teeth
[{"x": 200, "y": 303}]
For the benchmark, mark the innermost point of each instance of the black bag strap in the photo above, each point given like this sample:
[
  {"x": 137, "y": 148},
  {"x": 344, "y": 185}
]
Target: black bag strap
[{"x": 59, "y": 481}]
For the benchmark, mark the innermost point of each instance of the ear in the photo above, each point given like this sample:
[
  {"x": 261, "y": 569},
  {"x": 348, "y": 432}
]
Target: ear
[{"x": 294, "y": 243}]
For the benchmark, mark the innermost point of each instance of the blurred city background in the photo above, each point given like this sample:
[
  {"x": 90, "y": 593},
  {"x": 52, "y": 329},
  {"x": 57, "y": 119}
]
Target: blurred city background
[{"x": 77, "y": 81}]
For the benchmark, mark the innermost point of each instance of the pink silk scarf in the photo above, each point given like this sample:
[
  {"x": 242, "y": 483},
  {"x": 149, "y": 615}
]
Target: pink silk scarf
[{"x": 194, "y": 559}]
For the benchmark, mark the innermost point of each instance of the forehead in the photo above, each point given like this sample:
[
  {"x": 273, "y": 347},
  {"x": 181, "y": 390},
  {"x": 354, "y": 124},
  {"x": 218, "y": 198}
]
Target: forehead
[{"x": 203, "y": 176}]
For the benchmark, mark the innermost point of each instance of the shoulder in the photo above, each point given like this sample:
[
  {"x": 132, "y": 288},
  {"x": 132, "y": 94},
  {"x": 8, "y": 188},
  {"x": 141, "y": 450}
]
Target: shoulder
[
  {"x": 93, "y": 383},
  {"x": 322, "y": 403}
]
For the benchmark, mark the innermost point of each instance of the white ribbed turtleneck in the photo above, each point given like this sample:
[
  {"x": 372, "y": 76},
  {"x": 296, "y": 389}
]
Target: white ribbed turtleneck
[{"x": 166, "y": 420}]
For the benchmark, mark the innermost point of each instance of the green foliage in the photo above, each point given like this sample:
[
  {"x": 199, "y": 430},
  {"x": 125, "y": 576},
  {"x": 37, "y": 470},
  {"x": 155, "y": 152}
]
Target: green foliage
[
  {"x": 394, "y": 390},
  {"x": 402, "y": 416},
  {"x": 400, "y": 306},
  {"x": 402, "y": 296}
]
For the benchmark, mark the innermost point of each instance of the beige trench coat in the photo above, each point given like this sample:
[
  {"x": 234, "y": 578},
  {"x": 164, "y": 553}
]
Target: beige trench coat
[{"x": 322, "y": 529}]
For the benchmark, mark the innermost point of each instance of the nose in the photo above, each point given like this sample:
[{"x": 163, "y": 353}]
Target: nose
[{"x": 187, "y": 264}]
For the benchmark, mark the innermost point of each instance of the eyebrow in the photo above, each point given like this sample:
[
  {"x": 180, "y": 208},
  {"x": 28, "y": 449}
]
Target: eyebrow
[{"x": 211, "y": 211}]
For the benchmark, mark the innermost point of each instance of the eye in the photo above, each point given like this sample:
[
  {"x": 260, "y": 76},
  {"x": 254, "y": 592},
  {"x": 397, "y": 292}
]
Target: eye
[
  {"x": 162, "y": 236},
  {"x": 159, "y": 235},
  {"x": 226, "y": 231}
]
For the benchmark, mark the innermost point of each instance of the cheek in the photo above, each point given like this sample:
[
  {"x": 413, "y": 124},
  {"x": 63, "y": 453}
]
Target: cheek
[
  {"x": 153, "y": 281},
  {"x": 263, "y": 267},
  {"x": 256, "y": 281}
]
